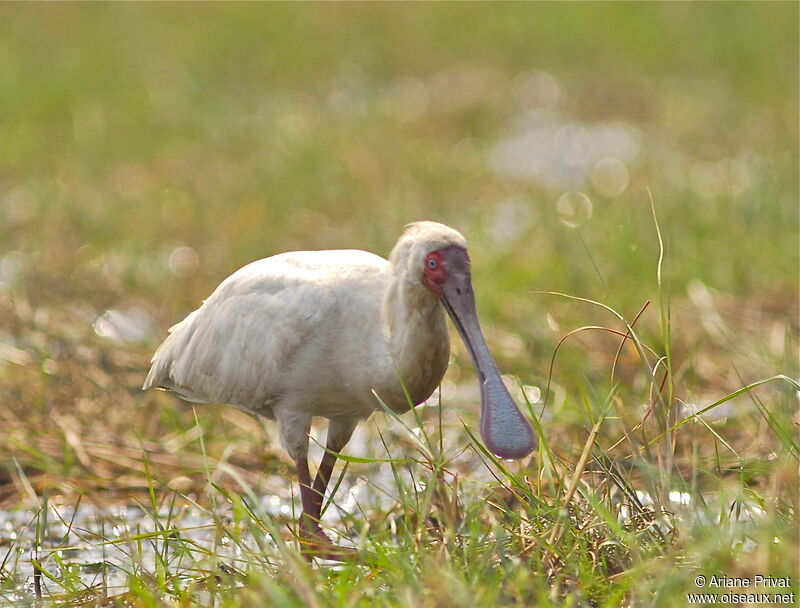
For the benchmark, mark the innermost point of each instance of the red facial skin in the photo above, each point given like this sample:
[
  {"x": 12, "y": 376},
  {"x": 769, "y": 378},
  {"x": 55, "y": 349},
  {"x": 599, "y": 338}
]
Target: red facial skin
[
  {"x": 439, "y": 265},
  {"x": 434, "y": 273}
]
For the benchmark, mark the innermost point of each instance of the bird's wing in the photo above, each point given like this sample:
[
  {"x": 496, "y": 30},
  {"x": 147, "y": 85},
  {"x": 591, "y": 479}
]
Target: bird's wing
[{"x": 234, "y": 348}]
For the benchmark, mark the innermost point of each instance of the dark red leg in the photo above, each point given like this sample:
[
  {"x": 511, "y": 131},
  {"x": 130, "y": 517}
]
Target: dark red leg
[
  {"x": 322, "y": 479},
  {"x": 313, "y": 541}
]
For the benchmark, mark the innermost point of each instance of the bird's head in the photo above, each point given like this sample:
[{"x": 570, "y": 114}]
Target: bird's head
[
  {"x": 435, "y": 256},
  {"x": 426, "y": 251}
]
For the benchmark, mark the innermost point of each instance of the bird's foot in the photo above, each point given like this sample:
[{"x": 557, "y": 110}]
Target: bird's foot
[{"x": 314, "y": 543}]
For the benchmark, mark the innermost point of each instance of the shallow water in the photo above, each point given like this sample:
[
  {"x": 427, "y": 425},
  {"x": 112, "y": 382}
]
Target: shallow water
[{"x": 99, "y": 548}]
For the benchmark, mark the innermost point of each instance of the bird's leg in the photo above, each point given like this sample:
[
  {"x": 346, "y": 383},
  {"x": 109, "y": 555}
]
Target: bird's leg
[
  {"x": 339, "y": 432},
  {"x": 313, "y": 541},
  {"x": 316, "y": 542},
  {"x": 323, "y": 478},
  {"x": 309, "y": 518}
]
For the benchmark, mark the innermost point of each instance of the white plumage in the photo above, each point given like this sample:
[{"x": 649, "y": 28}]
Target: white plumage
[{"x": 314, "y": 333}]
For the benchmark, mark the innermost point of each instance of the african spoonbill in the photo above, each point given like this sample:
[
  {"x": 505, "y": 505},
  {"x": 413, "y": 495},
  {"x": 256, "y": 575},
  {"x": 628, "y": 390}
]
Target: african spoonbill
[{"x": 314, "y": 333}]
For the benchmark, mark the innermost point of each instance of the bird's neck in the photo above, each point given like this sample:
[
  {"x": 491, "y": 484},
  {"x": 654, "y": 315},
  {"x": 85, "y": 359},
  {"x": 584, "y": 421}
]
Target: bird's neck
[{"x": 417, "y": 335}]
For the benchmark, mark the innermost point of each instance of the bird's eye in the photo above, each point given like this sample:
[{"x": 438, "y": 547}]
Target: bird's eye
[{"x": 432, "y": 263}]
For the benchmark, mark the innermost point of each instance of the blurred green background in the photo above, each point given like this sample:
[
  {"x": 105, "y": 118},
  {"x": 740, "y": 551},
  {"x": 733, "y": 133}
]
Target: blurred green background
[
  {"x": 149, "y": 150},
  {"x": 146, "y": 151}
]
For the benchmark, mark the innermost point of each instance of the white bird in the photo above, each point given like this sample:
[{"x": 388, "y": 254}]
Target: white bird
[{"x": 314, "y": 333}]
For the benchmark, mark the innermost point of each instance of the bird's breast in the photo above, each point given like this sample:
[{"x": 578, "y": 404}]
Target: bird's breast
[{"x": 419, "y": 349}]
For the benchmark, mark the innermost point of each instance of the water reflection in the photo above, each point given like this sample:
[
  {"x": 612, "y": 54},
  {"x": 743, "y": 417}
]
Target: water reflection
[
  {"x": 609, "y": 177},
  {"x": 556, "y": 153},
  {"x": 130, "y": 325},
  {"x": 183, "y": 261},
  {"x": 574, "y": 208}
]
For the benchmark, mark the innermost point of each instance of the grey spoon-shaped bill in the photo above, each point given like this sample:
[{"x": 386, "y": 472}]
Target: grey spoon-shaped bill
[{"x": 505, "y": 431}]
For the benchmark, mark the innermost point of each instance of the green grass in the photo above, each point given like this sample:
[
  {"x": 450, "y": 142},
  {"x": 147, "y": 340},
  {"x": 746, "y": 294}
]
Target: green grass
[{"x": 129, "y": 131}]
